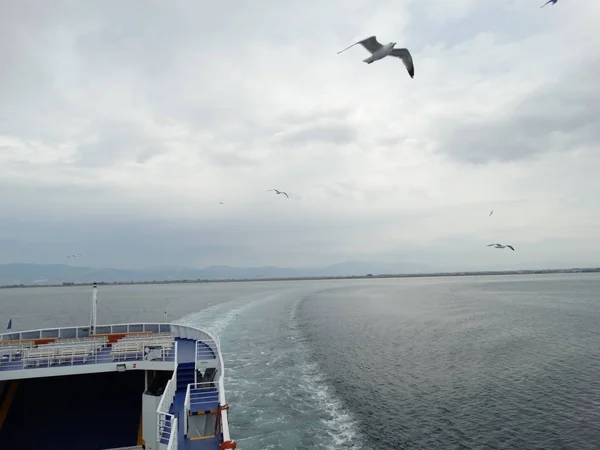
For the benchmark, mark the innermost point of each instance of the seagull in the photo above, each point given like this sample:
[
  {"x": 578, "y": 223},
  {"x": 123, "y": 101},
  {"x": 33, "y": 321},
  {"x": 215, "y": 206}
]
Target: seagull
[
  {"x": 379, "y": 51},
  {"x": 491, "y": 212},
  {"x": 502, "y": 246},
  {"x": 220, "y": 203},
  {"x": 549, "y": 1},
  {"x": 279, "y": 192},
  {"x": 75, "y": 255}
]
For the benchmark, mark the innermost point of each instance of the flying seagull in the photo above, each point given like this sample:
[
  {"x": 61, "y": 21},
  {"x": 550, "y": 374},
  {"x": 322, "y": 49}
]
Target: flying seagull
[
  {"x": 491, "y": 212},
  {"x": 220, "y": 203},
  {"x": 279, "y": 192},
  {"x": 549, "y": 1},
  {"x": 502, "y": 246},
  {"x": 379, "y": 51}
]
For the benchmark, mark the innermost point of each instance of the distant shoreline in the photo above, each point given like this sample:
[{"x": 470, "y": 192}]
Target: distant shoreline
[{"x": 316, "y": 278}]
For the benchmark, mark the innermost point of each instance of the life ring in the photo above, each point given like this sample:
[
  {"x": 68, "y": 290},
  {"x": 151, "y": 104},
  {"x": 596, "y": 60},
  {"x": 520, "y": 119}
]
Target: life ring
[
  {"x": 225, "y": 406},
  {"x": 228, "y": 444}
]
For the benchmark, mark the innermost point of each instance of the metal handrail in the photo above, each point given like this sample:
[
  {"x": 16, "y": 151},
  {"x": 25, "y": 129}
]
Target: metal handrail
[
  {"x": 171, "y": 431},
  {"x": 186, "y": 408},
  {"x": 61, "y": 354},
  {"x": 162, "y": 412},
  {"x": 173, "y": 441},
  {"x": 128, "y": 326},
  {"x": 224, "y": 416},
  {"x": 195, "y": 362},
  {"x": 168, "y": 395}
]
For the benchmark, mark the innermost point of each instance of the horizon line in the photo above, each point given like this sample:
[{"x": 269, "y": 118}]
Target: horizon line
[{"x": 308, "y": 278}]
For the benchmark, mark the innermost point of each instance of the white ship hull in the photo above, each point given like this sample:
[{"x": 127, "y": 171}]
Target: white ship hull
[{"x": 156, "y": 386}]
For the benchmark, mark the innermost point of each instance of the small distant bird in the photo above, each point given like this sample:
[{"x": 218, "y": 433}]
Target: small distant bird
[
  {"x": 502, "y": 246},
  {"x": 279, "y": 192},
  {"x": 75, "y": 255},
  {"x": 379, "y": 51},
  {"x": 549, "y": 1},
  {"x": 491, "y": 212},
  {"x": 220, "y": 203}
]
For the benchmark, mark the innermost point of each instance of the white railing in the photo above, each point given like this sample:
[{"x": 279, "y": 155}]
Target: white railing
[
  {"x": 72, "y": 351},
  {"x": 177, "y": 330},
  {"x": 196, "y": 363},
  {"x": 224, "y": 417},
  {"x": 186, "y": 409},
  {"x": 158, "y": 349},
  {"x": 165, "y": 422},
  {"x": 175, "y": 359},
  {"x": 201, "y": 397},
  {"x": 201, "y": 393},
  {"x": 214, "y": 342},
  {"x": 173, "y": 439},
  {"x": 205, "y": 350},
  {"x": 167, "y": 430},
  {"x": 168, "y": 395},
  {"x": 187, "y": 332},
  {"x": 84, "y": 331},
  {"x": 52, "y": 354},
  {"x": 148, "y": 335}
]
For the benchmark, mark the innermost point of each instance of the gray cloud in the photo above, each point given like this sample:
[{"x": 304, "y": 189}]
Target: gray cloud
[
  {"x": 123, "y": 125},
  {"x": 561, "y": 116},
  {"x": 336, "y": 133},
  {"x": 113, "y": 142}
]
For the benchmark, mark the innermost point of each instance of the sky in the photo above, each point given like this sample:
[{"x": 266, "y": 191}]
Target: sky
[{"x": 124, "y": 124}]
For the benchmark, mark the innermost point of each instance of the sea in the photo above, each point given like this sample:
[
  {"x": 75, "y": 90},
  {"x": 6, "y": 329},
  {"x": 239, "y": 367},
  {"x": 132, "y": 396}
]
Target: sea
[{"x": 480, "y": 362}]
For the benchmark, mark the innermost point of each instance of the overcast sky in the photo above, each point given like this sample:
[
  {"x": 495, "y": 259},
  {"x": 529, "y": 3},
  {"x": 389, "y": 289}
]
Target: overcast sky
[{"x": 124, "y": 124}]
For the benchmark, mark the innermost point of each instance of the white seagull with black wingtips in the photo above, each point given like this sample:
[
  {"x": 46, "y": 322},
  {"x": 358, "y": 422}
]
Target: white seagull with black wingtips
[
  {"x": 279, "y": 192},
  {"x": 379, "y": 51}
]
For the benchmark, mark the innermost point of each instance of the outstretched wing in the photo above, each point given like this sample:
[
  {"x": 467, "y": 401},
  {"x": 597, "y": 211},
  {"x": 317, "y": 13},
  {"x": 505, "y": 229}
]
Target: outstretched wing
[
  {"x": 549, "y": 1},
  {"x": 285, "y": 194},
  {"x": 369, "y": 43},
  {"x": 511, "y": 247},
  {"x": 406, "y": 58}
]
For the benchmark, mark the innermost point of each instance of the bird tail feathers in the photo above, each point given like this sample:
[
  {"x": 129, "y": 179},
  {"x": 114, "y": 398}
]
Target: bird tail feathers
[{"x": 369, "y": 60}]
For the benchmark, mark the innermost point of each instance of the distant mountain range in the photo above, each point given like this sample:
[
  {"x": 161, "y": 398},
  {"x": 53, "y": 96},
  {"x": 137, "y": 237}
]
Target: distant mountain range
[{"x": 22, "y": 273}]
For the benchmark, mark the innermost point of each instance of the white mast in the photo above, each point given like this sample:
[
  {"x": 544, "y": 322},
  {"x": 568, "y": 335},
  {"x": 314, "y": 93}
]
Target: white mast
[{"x": 94, "y": 309}]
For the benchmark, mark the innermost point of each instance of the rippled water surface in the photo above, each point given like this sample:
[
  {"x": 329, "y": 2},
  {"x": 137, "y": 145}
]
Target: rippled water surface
[
  {"x": 465, "y": 363},
  {"x": 439, "y": 363}
]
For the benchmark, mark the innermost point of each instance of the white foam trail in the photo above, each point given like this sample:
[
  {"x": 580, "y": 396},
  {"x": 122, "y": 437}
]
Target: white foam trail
[
  {"x": 215, "y": 320},
  {"x": 216, "y": 325},
  {"x": 338, "y": 423},
  {"x": 341, "y": 426}
]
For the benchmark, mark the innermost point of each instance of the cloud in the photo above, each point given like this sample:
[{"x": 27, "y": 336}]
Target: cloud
[
  {"x": 317, "y": 131},
  {"x": 560, "y": 116},
  {"x": 121, "y": 131}
]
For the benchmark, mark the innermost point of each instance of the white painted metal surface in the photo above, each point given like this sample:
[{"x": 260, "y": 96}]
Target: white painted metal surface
[
  {"x": 149, "y": 422},
  {"x": 60, "y": 358},
  {"x": 94, "y": 307}
]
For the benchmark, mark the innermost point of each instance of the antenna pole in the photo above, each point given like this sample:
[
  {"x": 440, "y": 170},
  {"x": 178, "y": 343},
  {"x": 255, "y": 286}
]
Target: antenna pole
[{"x": 94, "y": 308}]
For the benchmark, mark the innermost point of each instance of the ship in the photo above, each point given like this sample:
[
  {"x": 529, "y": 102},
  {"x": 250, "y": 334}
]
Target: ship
[{"x": 153, "y": 386}]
